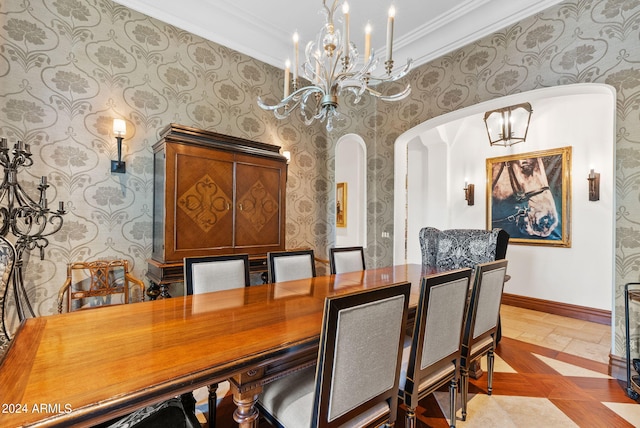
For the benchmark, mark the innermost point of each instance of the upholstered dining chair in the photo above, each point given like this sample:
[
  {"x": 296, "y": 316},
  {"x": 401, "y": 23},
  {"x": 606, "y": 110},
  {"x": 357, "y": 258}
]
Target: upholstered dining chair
[
  {"x": 98, "y": 283},
  {"x": 7, "y": 260},
  {"x": 355, "y": 382},
  {"x": 481, "y": 325},
  {"x": 346, "y": 259},
  {"x": 291, "y": 265},
  {"x": 215, "y": 273},
  {"x": 431, "y": 356}
]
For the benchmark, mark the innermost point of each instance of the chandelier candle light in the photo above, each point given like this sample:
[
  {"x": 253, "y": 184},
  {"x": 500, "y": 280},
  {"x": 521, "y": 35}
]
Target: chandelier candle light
[{"x": 332, "y": 66}]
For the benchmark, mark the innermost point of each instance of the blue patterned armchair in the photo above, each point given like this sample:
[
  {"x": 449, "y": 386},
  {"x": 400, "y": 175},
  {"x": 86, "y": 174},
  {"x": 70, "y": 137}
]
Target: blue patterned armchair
[{"x": 461, "y": 248}]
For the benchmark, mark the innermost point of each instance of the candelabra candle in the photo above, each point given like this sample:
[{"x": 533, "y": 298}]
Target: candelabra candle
[{"x": 30, "y": 222}]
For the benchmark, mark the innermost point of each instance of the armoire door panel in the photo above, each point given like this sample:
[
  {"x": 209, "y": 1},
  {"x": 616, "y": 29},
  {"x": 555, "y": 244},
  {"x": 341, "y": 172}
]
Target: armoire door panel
[
  {"x": 258, "y": 206},
  {"x": 203, "y": 207}
]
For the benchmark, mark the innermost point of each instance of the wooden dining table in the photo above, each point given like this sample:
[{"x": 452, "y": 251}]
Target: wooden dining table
[{"x": 86, "y": 367}]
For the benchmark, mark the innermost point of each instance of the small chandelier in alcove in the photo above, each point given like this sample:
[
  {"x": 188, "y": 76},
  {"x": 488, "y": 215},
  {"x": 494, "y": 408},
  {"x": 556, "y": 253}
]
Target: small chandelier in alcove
[{"x": 508, "y": 125}]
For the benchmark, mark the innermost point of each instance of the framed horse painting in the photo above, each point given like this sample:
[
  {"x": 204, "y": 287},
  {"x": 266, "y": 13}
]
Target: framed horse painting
[{"x": 529, "y": 196}]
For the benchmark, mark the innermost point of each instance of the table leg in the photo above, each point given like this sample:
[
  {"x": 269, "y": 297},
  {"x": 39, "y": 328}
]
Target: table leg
[
  {"x": 246, "y": 389},
  {"x": 246, "y": 415}
]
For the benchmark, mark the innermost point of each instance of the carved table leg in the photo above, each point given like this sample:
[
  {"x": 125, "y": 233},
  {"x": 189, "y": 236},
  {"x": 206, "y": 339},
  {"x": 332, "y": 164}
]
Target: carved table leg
[{"x": 246, "y": 389}]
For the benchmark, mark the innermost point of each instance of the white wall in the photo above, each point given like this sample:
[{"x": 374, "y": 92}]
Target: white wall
[
  {"x": 454, "y": 147},
  {"x": 351, "y": 169}
]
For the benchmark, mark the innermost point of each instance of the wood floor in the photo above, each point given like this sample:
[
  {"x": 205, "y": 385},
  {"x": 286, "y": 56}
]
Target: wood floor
[{"x": 550, "y": 371}]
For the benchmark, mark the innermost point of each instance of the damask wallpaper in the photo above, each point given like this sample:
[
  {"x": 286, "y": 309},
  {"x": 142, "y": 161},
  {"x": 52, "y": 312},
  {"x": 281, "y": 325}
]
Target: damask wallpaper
[{"x": 68, "y": 67}]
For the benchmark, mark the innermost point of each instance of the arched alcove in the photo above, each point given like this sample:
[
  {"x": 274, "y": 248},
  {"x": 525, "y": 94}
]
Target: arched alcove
[
  {"x": 434, "y": 159},
  {"x": 350, "y": 165}
]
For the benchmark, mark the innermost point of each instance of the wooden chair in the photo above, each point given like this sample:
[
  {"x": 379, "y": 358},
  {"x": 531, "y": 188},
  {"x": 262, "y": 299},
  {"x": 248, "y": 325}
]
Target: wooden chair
[
  {"x": 481, "y": 325},
  {"x": 7, "y": 261},
  {"x": 215, "y": 273},
  {"x": 291, "y": 265},
  {"x": 356, "y": 379},
  {"x": 431, "y": 356},
  {"x": 98, "y": 283},
  {"x": 346, "y": 259}
]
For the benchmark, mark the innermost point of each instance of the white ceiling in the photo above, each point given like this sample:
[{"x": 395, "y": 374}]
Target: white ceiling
[{"x": 262, "y": 29}]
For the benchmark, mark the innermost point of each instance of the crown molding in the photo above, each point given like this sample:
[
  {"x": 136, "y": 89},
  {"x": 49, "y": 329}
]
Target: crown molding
[{"x": 265, "y": 37}]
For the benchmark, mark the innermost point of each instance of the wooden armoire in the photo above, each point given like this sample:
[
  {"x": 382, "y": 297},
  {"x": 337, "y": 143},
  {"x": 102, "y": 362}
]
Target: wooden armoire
[{"x": 214, "y": 194}]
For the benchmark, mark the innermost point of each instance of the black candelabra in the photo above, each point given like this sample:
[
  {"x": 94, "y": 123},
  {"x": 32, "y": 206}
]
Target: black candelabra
[{"x": 29, "y": 221}]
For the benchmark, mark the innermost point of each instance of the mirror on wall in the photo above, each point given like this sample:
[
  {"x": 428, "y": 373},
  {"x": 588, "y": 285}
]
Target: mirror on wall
[{"x": 351, "y": 191}]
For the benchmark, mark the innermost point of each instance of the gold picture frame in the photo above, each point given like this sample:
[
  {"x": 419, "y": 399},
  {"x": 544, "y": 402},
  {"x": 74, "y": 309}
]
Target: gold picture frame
[
  {"x": 341, "y": 205},
  {"x": 529, "y": 196}
]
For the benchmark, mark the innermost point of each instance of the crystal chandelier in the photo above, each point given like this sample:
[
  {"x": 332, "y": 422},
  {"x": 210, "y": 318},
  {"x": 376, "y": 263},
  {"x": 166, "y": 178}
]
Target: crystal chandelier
[{"x": 332, "y": 66}]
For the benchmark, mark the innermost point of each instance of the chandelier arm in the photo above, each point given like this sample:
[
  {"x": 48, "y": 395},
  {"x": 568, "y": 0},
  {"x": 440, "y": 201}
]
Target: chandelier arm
[
  {"x": 376, "y": 80},
  {"x": 395, "y": 97},
  {"x": 290, "y": 98}
]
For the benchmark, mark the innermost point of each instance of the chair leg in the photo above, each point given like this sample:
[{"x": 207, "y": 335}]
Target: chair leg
[
  {"x": 490, "y": 363},
  {"x": 410, "y": 418},
  {"x": 464, "y": 390},
  {"x": 452, "y": 402},
  {"x": 213, "y": 401}
]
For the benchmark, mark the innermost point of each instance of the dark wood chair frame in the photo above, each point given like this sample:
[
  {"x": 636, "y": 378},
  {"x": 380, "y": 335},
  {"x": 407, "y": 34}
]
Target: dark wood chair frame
[
  {"x": 190, "y": 261},
  {"x": 334, "y": 250},
  {"x": 324, "y": 369},
  {"x": 188, "y": 276},
  {"x": 271, "y": 256},
  {"x": 468, "y": 341},
  {"x": 415, "y": 375}
]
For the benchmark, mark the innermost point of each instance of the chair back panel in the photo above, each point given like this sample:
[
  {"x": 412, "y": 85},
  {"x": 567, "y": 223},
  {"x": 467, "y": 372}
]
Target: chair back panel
[
  {"x": 207, "y": 274},
  {"x": 360, "y": 353},
  {"x": 291, "y": 265},
  {"x": 484, "y": 305},
  {"x": 347, "y": 259},
  {"x": 364, "y": 327},
  {"x": 489, "y": 300},
  {"x": 445, "y": 317}
]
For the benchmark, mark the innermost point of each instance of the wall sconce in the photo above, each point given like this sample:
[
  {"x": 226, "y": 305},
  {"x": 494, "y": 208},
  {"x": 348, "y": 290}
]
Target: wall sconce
[
  {"x": 119, "y": 129},
  {"x": 508, "y": 125},
  {"x": 469, "y": 191},
  {"x": 594, "y": 185}
]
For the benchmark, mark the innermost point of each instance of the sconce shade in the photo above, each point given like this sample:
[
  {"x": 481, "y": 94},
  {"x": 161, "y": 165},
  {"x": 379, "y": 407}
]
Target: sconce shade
[
  {"x": 119, "y": 127},
  {"x": 508, "y": 125},
  {"x": 287, "y": 154}
]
